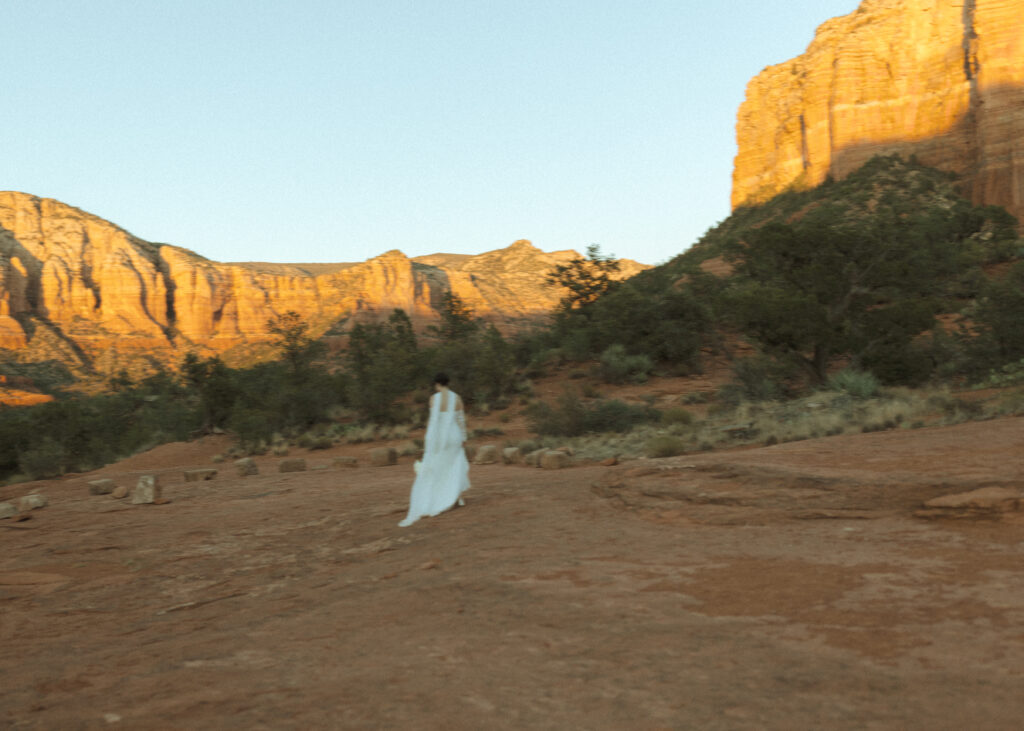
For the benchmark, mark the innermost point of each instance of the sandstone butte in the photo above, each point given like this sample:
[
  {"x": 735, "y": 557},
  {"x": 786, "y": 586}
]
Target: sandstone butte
[
  {"x": 77, "y": 288},
  {"x": 940, "y": 80}
]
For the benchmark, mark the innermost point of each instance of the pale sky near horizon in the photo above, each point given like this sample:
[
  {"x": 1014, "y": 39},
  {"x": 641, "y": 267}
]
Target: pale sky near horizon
[{"x": 335, "y": 130}]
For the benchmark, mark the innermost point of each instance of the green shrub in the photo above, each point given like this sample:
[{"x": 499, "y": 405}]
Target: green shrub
[
  {"x": 756, "y": 379},
  {"x": 572, "y": 417},
  {"x": 618, "y": 366},
  {"x": 860, "y": 385},
  {"x": 251, "y": 427},
  {"x": 47, "y": 459}
]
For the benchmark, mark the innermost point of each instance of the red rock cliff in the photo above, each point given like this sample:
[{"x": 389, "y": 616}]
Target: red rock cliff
[
  {"x": 941, "y": 80},
  {"x": 79, "y": 289}
]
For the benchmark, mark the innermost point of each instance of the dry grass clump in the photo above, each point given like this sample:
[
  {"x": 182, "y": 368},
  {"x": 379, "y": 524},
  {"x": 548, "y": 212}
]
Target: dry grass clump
[
  {"x": 665, "y": 445},
  {"x": 820, "y": 414},
  {"x": 398, "y": 431},
  {"x": 1010, "y": 403},
  {"x": 358, "y": 434}
]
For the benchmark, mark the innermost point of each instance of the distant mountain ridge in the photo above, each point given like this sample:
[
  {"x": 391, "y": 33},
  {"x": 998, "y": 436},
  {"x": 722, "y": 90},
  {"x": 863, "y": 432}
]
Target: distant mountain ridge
[{"x": 79, "y": 289}]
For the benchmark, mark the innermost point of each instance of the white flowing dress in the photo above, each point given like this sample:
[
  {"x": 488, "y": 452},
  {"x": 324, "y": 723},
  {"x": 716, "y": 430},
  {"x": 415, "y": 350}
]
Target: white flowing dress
[{"x": 444, "y": 472}]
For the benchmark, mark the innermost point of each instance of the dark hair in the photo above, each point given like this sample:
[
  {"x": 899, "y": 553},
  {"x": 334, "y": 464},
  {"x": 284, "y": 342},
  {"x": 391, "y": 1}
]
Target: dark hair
[{"x": 441, "y": 378}]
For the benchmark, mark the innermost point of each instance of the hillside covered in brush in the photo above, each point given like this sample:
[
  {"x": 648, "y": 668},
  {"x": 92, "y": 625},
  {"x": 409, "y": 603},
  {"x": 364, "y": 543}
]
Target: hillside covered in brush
[{"x": 854, "y": 272}]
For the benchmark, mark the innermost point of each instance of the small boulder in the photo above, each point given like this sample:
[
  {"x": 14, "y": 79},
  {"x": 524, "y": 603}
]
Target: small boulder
[
  {"x": 246, "y": 466},
  {"x": 487, "y": 454},
  {"x": 101, "y": 487},
  {"x": 295, "y": 464},
  {"x": 345, "y": 462},
  {"x": 32, "y": 502},
  {"x": 533, "y": 458},
  {"x": 383, "y": 456},
  {"x": 200, "y": 475},
  {"x": 512, "y": 455},
  {"x": 610, "y": 462},
  {"x": 555, "y": 460},
  {"x": 8, "y": 510},
  {"x": 470, "y": 452},
  {"x": 121, "y": 491},
  {"x": 567, "y": 449},
  {"x": 147, "y": 490}
]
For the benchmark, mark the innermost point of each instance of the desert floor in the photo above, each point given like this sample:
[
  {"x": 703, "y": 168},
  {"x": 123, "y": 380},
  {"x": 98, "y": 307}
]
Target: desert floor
[{"x": 789, "y": 587}]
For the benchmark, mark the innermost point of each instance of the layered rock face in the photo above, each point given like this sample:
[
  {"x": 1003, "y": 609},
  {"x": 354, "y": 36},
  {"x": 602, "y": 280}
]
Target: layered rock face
[
  {"x": 943, "y": 81},
  {"x": 77, "y": 288}
]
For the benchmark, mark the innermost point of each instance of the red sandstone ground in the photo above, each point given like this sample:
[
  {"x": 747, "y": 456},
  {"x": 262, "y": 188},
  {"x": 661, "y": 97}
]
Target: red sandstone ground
[{"x": 788, "y": 587}]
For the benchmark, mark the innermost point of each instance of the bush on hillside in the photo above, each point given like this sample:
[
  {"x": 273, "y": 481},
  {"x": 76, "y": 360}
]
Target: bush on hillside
[
  {"x": 618, "y": 366},
  {"x": 574, "y": 417},
  {"x": 860, "y": 385}
]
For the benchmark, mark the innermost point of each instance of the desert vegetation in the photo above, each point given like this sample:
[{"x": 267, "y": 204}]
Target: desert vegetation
[{"x": 856, "y": 306}]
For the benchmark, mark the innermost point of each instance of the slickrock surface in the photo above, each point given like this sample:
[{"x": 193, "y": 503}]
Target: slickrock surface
[
  {"x": 941, "y": 80},
  {"x": 789, "y": 587},
  {"x": 80, "y": 289}
]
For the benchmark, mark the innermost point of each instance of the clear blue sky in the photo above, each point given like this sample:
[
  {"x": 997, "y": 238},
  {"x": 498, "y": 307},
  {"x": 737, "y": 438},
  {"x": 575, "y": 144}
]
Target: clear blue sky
[{"x": 335, "y": 130}]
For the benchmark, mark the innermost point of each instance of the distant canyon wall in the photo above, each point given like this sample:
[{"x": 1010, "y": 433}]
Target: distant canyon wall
[
  {"x": 76, "y": 287},
  {"x": 943, "y": 81}
]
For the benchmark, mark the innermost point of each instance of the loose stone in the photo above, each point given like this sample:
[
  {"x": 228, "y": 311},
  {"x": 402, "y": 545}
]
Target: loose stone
[
  {"x": 101, "y": 487},
  {"x": 295, "y": 464}
]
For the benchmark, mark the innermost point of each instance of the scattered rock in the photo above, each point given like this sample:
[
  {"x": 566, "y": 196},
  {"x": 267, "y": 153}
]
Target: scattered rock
[
  {"x": 32, "y": 502},
  {"x": 512, "y": 455},
  {"x": 984, "y": 502},
  {"x": 470, "y": 452},
  {"x": 121, "y": 491},
  {"x": 200, "y": 475},
  {"x": 487, "y": 454},
  {"x": 8, "y": 510},
  {"x": 101, "y": 487},
  {"x": 533, "y": 458},
  {"x": 555, "y": 460},
  {"x": 610, "y": 462},
  {"x": 565, "y": 448},
  {"x": 146, "y": 491},
  {"x": 345, "y": 462},
  {"x": 295, "y": 464},
  {"x": 162, "y": 501},
  {"x": 383, "y": 456},
  {"x": 246, "y": 466}
]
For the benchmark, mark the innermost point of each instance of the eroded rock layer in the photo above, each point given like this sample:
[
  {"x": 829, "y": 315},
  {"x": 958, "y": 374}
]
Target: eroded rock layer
[
  {"x": 939, "y": 80},
  {"x": 76, "y": 288}
]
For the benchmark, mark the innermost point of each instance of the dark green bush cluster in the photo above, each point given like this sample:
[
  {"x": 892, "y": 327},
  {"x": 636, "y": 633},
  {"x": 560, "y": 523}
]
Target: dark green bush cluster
[
  {"x": 618, "y": 366},
  {"x": 856, "y": 271},
  {"x": 650, "y": 317},
  {"x": 572, "y": 416},
  {"x": 78, "y": 434}
]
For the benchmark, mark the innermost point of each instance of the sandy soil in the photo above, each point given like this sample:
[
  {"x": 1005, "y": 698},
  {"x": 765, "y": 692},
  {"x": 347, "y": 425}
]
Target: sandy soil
[{"x": 782, "y": 588}]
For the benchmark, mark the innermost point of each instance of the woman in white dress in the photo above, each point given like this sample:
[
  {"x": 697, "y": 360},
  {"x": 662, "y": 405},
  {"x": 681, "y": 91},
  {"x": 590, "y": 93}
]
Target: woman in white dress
[{"x": 444, "y": 472}]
